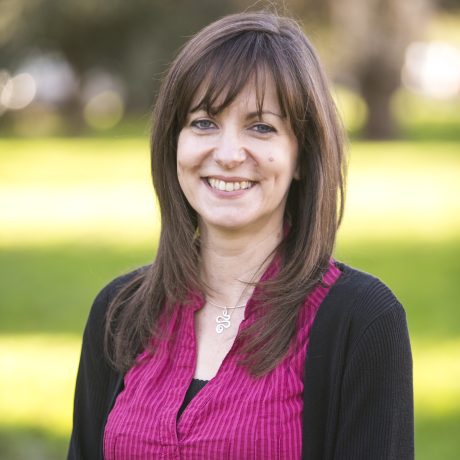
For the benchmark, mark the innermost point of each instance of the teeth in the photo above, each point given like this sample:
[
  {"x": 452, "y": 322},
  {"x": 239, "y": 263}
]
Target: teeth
[{"x": 229, "y": 186}]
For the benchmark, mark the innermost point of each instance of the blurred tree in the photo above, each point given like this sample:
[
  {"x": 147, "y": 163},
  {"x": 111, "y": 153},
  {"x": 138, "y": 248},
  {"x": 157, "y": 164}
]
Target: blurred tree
[
  {"x": 449, "y": 4},
  {"x": 367, "y": 42},
  {"x": 132, "y": 40},
  {"x": 135, "y": 40}
]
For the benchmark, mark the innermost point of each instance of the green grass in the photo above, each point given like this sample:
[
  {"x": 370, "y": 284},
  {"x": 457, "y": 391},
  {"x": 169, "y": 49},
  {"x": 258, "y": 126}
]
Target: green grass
[
  {"x": 76, "y": 213},
  {"x": 29, "y": 442},
  {"x": 48, "y": 289},
  {"x": 437, "y": 437}
]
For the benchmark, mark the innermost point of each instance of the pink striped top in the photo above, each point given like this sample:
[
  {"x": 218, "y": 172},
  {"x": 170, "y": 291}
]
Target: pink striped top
[{"x": 235, "y": 416}]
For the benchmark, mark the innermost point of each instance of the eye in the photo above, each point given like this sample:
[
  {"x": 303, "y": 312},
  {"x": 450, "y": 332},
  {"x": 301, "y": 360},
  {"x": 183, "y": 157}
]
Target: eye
[
  {"x": 263, "y": 128},
  {"x": 203, "y": 124}
]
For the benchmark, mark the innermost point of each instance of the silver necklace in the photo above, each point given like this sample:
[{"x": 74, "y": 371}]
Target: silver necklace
[{"x": 223, "y": 321}]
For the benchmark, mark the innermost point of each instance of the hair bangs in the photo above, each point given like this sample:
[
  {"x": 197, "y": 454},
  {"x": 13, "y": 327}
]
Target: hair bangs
[
  {"x": 292, "y": 97},
  {"x": 226, "y": 71}
]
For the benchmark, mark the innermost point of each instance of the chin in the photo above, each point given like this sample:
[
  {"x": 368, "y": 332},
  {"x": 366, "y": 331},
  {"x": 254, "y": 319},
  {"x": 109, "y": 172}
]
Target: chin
[
  {"x": 226, "y": 225},
  {"x": 228, "y": 222}
]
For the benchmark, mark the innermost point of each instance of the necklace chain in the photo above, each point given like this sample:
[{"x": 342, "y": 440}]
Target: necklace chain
[{"x": 225, "y": 308}]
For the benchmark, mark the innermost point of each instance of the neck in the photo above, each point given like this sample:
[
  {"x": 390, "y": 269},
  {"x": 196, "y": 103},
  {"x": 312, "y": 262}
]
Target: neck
[{"x": 232, "y": 259}]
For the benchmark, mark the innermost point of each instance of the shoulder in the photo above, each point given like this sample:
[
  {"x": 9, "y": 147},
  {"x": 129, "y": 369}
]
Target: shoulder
[
  {"x": 354, "y": 303},
  {"x": 365, "y": 295},
  {"x": 108, "y": 293}
]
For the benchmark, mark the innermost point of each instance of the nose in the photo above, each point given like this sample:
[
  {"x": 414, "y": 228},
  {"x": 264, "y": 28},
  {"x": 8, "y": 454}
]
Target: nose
[{"x": 229, "y": 153}]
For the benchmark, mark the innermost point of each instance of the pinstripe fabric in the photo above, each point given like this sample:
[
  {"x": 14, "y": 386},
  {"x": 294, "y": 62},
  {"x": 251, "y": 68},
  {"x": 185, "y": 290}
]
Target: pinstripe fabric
[{"x": 235, "y": 416}]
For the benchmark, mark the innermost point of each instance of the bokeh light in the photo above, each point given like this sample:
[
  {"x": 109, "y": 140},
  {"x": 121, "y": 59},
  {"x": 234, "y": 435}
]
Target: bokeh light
[
  {"x": 103, "y": 96},
  {"x": 433, "y": 68},
  {"x": 18, "y": 92},
  {"x": 55, "y": 79},
  {"x": 104, "y": 110}
]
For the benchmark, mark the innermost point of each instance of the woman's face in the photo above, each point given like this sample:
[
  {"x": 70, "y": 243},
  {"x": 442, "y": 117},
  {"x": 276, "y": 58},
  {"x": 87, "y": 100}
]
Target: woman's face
[{"x": 235, "y": 168}]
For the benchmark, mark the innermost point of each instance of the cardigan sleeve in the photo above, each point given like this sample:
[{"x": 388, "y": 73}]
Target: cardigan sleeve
[
  {"x": 376, "y": 408},
  {"x": 94, "y": 385}
]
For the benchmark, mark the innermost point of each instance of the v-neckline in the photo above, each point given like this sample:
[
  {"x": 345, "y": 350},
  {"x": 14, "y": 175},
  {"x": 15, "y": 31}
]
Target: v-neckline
[{"x": 206, "y": 392}]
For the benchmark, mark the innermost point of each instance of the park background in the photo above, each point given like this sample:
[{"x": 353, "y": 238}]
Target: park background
[{"x": 77, "y": 82}]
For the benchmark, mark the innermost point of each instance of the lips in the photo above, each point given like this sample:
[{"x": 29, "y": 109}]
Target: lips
[{"x": 229, "y": 186}]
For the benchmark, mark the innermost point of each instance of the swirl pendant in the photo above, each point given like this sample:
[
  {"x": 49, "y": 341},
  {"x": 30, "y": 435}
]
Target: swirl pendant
[{"x": 223, "y": 322}]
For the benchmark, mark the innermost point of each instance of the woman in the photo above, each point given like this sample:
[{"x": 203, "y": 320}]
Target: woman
[{"x": 245, "y": 339}]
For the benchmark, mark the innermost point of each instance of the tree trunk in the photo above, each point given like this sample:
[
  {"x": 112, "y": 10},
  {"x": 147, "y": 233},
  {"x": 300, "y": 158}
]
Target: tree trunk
[
  {"x": 371, "y": 37},
  {"x": 378, "y": 82}
]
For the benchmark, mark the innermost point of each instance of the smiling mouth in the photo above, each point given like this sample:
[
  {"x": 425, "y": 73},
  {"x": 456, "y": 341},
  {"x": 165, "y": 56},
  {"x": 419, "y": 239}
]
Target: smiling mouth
[{"x": 229, "y": 186}]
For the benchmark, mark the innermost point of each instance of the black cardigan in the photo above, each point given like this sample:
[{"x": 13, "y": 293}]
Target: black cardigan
[{"x": 358, "y": 398}]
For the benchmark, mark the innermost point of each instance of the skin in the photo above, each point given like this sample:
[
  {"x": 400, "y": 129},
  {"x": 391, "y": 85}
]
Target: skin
[{"x": 239, "y": 228}]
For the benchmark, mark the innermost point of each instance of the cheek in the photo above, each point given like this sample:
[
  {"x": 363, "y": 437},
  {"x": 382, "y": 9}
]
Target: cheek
[
  {"x": 184, "y": 150},
  {"x": 281, "y": 167},
  {"x": 185, "y": 182},
  {"x": 189, "y": 155},
  {"x": 282, "y": 159},
  {"x": 182, "y": 175},
  {"x": 185, "y": 164},
  {"x": 180, "y": 159},
  {"x": 180, "y": 169}
]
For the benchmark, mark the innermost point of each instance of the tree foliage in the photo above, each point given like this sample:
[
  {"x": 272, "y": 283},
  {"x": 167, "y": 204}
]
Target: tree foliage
[{"x": 135, "y": 40}]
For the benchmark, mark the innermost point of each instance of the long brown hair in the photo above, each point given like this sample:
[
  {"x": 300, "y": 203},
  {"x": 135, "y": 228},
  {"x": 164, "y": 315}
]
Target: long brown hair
[{"x": 226, "y": 55}]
